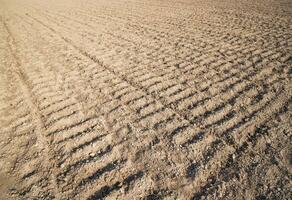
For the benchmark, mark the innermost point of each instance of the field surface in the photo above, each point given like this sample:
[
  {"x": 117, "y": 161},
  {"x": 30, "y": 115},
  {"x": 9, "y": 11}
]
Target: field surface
[{"x": 145, "y": 99}]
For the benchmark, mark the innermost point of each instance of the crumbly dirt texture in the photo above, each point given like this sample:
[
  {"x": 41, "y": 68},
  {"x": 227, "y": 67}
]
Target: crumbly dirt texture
[{"x": 145, "y": 99}]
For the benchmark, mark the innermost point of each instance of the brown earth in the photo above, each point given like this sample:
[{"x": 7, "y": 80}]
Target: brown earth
[{"x": 145, "y": 99}]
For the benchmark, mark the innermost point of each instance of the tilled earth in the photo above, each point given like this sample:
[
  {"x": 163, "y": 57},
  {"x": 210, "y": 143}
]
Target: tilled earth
[{"x": 145, "y": 99}]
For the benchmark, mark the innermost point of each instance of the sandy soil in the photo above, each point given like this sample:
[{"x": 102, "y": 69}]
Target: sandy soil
[{"x": 145, "y": 99}]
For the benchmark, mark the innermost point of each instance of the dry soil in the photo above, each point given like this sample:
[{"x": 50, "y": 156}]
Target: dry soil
[{"x": 145, "y": 99}]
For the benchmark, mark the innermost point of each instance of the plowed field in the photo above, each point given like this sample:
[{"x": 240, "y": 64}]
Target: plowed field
[{"x": 145, "y": 99}]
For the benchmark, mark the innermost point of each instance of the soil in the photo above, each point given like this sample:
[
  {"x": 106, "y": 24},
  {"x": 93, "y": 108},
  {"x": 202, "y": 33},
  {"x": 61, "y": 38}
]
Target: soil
[{"x": 136, "y": 99}]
